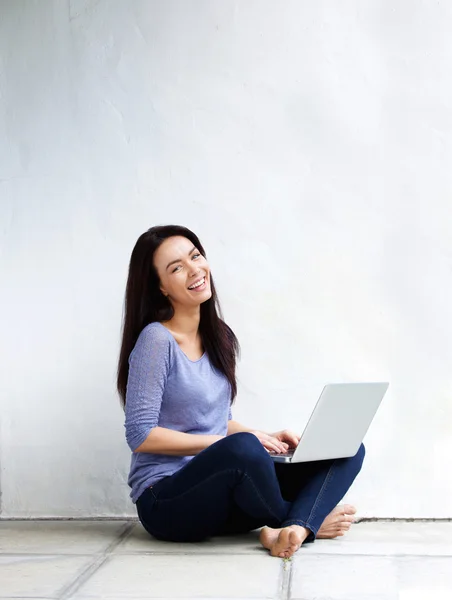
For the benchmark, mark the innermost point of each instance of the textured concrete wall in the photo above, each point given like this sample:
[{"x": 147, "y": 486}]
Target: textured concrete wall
[{"x": 309, "y": 146}]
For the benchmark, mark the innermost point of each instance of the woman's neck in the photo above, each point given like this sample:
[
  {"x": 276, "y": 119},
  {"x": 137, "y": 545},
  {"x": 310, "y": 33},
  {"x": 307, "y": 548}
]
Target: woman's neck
[{"x": 185, "y": 322}]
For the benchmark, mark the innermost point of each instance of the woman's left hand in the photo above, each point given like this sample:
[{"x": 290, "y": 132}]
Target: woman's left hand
[{"x": 288, "y": 437}]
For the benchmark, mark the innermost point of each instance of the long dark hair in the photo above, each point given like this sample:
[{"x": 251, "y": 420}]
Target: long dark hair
[{"x": 144, "y": 303}]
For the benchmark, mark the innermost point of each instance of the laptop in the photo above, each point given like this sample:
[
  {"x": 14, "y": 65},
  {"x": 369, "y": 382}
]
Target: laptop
[{"x": 338, "y": 423}]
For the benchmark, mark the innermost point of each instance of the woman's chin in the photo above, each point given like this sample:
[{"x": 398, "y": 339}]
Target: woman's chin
[
  {"x": 200, "y": 298},
  {"x": 206, "y": 296}
]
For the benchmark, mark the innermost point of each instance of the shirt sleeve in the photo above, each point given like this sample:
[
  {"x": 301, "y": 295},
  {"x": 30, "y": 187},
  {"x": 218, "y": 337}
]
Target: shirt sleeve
[{"x": 149, "y": 365}]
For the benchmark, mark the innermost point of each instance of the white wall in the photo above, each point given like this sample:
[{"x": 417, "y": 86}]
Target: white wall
[{"x": 309, "y": 146}]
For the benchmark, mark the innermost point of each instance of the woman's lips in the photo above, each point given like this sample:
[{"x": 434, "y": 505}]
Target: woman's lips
[{"x": 199, "y": 288}]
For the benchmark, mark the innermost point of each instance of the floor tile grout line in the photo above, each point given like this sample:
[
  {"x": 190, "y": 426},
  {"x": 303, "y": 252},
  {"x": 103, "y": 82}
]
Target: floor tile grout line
[
  {"x": 355, "y": 554},
  {"x": 130, "y": 553},
  {"x": 286, "y": 579},
  {"x": 204, "y": 554},
  {"x": 289, "y": 586},
  {"x": 403, "y": 520},
  {"x": 121, "y": 536},
  {"x": 69, "y": 589},
  {"x": 217, "y": 554}
]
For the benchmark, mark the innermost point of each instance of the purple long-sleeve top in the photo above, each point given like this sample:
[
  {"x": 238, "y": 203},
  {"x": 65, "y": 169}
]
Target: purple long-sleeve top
[{"x": 167, "y": 389}]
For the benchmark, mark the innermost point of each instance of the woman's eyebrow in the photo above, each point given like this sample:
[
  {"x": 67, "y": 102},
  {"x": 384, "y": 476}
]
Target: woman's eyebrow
[{"x": 179, "y": 259}]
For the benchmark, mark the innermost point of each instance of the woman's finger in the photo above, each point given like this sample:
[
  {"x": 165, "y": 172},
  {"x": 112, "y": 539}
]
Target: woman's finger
[
  {"x": 274, "y": 445},
  {"x": 292, "y": 438},
  {"x": 277, "y": 444},
  {"x": 282, "y": 445},
  {"x": 270, "y": 446}
]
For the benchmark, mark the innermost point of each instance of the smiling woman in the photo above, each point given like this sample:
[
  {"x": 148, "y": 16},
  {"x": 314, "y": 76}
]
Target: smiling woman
[
  {"x": 165, "y": 262},
  {"x": 195, "y": 472}
]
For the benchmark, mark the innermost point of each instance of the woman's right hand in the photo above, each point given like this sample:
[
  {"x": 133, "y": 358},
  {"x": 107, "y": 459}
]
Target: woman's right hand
[{"x": 270, "y": 443}]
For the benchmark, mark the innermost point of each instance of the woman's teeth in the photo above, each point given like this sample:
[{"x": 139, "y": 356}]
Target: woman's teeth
[{"x": 192, "y": 287}]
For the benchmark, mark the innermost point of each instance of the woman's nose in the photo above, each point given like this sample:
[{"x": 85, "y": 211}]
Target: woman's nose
[{"x": 194, "y": 271}]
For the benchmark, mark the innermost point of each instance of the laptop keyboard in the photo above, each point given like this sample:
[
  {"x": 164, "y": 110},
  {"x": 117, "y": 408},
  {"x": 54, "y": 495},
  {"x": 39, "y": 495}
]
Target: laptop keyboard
[{"x": 289, "y": 454}]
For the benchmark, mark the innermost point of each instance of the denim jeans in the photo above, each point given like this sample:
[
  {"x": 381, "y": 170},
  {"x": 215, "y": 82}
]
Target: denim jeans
[{"x": 234, "y": 486}]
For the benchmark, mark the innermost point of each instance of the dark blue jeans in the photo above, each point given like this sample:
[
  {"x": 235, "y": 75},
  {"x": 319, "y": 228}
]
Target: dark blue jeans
[{"x": 234, "y": 486}]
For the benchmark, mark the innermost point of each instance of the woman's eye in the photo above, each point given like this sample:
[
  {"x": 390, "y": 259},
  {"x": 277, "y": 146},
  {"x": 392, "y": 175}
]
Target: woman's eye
[{"x": 180, "y": 266}]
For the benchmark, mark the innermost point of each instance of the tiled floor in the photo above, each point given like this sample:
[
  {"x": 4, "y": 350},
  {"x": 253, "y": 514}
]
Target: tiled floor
[{"x": 116, "y": 560}]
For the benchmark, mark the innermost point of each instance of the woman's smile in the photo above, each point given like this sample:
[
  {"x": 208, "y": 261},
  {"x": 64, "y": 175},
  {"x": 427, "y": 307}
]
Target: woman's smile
[{"x": 199, "y": 285}]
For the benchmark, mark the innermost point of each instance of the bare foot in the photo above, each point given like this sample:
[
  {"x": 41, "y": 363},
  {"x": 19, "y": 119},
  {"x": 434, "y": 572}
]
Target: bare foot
[
  {"x": 283, "y": 542},
  {"x": 338, "y": 522}
]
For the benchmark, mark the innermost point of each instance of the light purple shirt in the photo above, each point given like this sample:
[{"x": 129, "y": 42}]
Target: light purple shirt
[{"x": 167, "y": 389}]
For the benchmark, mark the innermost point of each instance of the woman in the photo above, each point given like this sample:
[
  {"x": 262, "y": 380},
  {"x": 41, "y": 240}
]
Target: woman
[{"x": 195, "y": 472}]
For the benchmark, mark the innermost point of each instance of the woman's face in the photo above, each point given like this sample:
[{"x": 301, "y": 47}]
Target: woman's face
[{"x": 181, "y": 268}]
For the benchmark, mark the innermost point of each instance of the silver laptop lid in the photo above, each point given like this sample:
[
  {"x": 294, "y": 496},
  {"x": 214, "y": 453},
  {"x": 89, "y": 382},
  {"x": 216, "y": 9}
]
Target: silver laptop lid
[{"x": 339, "y": 421}]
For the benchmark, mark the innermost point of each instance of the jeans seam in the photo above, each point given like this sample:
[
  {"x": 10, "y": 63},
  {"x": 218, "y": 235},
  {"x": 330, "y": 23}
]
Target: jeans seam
[
  {"x": 289, "y": 522},
  {"x": 320, "y": 494},
  {"x": 304, "y": 524},
  {"x": 260, "y": 496}
]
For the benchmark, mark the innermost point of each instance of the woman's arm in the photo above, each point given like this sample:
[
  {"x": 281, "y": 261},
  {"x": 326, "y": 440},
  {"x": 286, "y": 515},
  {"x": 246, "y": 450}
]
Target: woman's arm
[
  {"x": 167, "y": 441},
  {"x": 236, "y": 427},
  {"x": 286, "y": 437},
  {"x": 266, "y": 439}
]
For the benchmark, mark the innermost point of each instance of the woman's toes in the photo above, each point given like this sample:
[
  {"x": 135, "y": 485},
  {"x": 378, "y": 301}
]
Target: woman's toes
[
  {"x": 342, "y": 519},
  {"x": 288, "y": 542},
  {"x": 339, "y": 520},
  {"x": 294, "y": 541},
  {"x": 348, "y": 509}
]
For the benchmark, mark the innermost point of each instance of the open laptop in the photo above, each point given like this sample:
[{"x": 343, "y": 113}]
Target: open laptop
[{"x": 338, "y": 423}]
